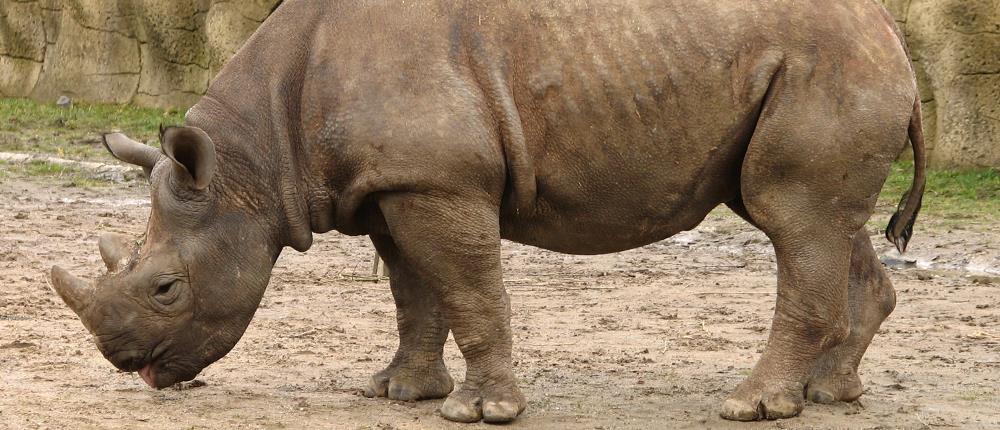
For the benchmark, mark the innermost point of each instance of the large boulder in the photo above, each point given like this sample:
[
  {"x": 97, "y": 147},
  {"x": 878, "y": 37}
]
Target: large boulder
[
  {"x": 22, "y": 47},
  {"x": 956, "y": 50},
  {"x": 148, "y": 52},
  {"x": 94, "y": 55}
]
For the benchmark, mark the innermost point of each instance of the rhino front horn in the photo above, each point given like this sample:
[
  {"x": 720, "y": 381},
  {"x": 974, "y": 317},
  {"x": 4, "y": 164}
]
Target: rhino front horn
[{"x": 74, "y": 291}]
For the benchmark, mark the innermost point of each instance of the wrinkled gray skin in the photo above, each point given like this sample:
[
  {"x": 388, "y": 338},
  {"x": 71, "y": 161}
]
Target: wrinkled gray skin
[{"x": 438, "y": 128}]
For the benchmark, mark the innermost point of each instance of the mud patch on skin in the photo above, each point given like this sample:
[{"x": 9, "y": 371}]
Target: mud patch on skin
[{"x": 654, "y": 337}]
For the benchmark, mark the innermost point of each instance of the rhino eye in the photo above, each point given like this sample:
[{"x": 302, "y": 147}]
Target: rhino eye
[{"x": 167, "y": 292}]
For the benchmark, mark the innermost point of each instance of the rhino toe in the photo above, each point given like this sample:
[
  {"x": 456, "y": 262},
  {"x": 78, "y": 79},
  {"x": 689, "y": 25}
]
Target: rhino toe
[
  {"x": 739, "y": 410},
  {"x": 501, "y": 411},
  {"x": 490, "y": 405},
  {"x": 762, "y": 404},
  {"x": 405, "y": 384},
  {"x": 462, "y": 407},
  {"x": 832, "y": 388}
]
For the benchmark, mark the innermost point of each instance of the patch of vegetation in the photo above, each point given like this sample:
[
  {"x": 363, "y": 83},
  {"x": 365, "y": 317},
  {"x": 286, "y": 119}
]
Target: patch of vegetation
[
  {"x": 72, "y": 176},
  {"x": 951, "y": 193},
  {"x": 74, "y": 132}
]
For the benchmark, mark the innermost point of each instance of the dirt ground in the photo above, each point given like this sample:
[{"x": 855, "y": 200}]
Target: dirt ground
[{"x": 650, "y": 338}]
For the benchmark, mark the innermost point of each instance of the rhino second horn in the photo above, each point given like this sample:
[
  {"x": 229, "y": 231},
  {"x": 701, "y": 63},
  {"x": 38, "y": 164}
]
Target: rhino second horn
[
  {"x": 114, "y": 249},
  {"x": 74, "y": 291}
]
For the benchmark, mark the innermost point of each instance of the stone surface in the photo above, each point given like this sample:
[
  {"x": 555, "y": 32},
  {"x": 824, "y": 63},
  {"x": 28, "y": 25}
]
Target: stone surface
[
  {"x": 149, "y": 52},
  {"x": 956, "y": 51},
  {"x": 22, "y": 46},
  {"x": 164, "y": 53},
  {"x": 93, "y": 64}
]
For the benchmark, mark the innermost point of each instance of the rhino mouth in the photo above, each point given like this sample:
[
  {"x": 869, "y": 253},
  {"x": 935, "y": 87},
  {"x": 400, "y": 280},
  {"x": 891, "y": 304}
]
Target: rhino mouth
[
  {"x": 148, "y": 375},
  {"x": 149, "y": 371},
  {"x": 147, "y": 365}
]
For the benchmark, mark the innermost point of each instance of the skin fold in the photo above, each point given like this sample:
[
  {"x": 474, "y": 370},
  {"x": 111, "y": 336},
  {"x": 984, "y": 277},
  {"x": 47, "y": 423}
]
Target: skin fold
[{"x": 584, "y": 127}]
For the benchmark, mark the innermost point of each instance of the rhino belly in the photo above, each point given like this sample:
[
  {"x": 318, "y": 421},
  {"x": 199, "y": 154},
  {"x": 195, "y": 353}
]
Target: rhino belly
[{"x": 616, "y": 209}]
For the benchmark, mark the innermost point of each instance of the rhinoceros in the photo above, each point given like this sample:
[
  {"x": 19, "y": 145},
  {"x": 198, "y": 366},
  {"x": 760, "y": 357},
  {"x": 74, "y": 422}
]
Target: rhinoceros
[{"x": 440, "y": 127}]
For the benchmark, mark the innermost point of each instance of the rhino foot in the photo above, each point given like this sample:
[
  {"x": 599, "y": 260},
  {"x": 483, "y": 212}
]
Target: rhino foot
[
  {"x": 492, "y": 405},
  {"x": 407, "y": 383},
  {"x": 764, "y": 403},
  {"x": 831, "y": 387}
]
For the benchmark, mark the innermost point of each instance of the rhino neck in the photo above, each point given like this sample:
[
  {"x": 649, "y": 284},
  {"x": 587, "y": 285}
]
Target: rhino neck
[
  {"x": 257, "y": 98},
  {"x": 259, "y": 165}
]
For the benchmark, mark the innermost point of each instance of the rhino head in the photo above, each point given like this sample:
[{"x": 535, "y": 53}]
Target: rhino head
[{"x": 179, "y": 297}]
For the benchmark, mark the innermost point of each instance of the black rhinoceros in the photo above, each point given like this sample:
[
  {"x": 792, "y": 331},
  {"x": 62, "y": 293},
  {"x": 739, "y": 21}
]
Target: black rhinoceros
[{"x": 439, "y": 127}]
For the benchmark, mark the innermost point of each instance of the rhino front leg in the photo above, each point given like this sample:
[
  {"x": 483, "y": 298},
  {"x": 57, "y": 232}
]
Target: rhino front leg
[
  {"x": 453, "y": 244},
  {"x": 417, "y": 371}
]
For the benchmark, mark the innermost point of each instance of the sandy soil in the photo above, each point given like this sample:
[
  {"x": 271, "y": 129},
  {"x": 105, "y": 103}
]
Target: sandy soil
[{"x": 650, "y": 338}]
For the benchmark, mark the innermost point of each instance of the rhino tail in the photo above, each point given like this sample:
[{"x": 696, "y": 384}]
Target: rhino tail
[{"x": 900, "y": 228}]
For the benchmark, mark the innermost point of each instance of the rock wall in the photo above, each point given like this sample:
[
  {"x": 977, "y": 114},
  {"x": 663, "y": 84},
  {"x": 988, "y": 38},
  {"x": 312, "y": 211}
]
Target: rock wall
[
  {"x": 148, "y": 52},
  {"x": 165, "y": 52},
  {"x": 955, "y": 46}
]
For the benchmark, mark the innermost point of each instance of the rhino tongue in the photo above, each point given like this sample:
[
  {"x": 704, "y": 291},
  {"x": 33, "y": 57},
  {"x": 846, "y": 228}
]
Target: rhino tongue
[{"x": 148, "y": 375}]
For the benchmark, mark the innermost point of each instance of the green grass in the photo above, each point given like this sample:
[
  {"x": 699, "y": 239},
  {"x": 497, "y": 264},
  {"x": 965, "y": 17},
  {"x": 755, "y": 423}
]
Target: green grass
[
  {"x": 951, "y": 193},
  {"x": 74, "y": 132},
  {"x": 71, "y": 176},
  {"x": 42, "y": 168}
]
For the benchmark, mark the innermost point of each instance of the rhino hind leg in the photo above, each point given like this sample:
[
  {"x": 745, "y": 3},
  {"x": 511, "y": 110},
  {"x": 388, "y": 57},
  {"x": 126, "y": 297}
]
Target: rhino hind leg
[
  {"x": 810, "y": 317},
  {"x": 871, "y": 300},
  {"x": 453, "y": 242},
  {"x": 810, "y": 180},
  {"x": 417, "y": 372}
]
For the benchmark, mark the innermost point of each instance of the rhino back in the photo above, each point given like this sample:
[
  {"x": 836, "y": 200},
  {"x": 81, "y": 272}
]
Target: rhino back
[{"x": 638, "y": 114}]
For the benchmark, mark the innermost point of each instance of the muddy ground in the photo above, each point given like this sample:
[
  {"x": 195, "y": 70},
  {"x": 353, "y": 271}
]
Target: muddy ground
[{"x": 650, "y": 338}]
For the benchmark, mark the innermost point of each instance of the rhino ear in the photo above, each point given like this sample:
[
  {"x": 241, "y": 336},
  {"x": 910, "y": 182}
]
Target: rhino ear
[
  {"x": 132, "y": 152},
  {"x": 192, "y": 151}
]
